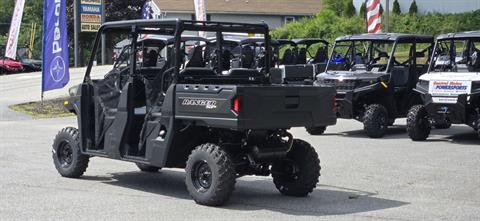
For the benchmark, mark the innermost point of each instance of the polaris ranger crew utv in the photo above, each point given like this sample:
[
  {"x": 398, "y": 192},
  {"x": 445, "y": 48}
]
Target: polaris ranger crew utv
[
  {"x": 451, "y": 89},
  {"x": 219, "y": 124},
  {"x": 374, "y": 75},
  {"x": 300, "y": 60}
]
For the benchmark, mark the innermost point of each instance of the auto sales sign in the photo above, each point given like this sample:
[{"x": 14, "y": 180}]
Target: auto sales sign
[{"x": 449, "y": 88}]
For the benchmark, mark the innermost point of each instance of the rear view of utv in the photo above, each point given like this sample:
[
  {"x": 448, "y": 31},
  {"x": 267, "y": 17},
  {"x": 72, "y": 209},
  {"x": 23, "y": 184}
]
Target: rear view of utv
[
  {"x": 299, "y": 60},
  {"x": 374, "y": 75},
  {"x": 215, "y": 121},
  {"x": 451, "y": 89}
]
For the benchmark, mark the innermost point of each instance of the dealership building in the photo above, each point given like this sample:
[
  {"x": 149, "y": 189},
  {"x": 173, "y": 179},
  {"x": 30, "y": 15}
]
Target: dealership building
[{"x": 274, "y": 13}]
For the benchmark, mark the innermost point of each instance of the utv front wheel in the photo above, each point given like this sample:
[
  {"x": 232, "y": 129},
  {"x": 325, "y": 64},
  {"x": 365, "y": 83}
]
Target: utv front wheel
[
  {"x": 147, "y": 168},
  {"x": 67, "y": 157},
  {"x": 316, "y": 130},
  {"x": 298, "y": 174},
  {"x": 418, "y": 124},
  {"x": 375, "y": 121},
  {"x": 210, "y": 175}
]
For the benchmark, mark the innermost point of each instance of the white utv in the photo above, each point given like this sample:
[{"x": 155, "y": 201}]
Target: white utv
[{"x": 451, "y": 89}]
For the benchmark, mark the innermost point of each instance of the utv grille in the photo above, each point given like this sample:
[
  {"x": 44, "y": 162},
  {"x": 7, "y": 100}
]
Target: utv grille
[{"x": 344, "y": 85}]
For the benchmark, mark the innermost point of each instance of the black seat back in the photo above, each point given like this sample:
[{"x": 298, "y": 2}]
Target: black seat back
[
  {"x": 287, "y": 57},
  {"x": 196, "y": 59},
  {"x": 321, "y": 55},
  {"x": 247, "y": 57},
  {"x": 302, "y": 56}
]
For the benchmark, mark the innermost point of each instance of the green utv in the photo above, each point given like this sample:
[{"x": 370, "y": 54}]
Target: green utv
[
  {"x": 374, "y": 75},
  {"x": 180, "y": 104}
]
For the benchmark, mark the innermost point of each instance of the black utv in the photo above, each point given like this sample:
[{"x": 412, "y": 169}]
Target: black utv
[
  {"x": 451, "y": 89},
  {"x": 375, "y": 75},
  {"x": 299, "y": 60},
  {"x": 216, "y": 123}
]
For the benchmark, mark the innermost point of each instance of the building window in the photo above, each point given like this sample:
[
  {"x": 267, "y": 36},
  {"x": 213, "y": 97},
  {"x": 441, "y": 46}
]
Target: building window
[{"x": 289, "y": 19}]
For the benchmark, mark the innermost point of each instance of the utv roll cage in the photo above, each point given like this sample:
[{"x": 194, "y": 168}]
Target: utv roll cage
[
  {"x": 394, "y": 38},
  {"x": 175, "y": 28},
  {"x": 452, "y": 37}
]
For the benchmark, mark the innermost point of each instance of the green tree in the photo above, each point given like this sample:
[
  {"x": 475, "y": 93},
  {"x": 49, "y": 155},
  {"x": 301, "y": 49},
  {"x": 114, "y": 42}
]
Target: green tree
[
  {"x": 350, "y": 9},
  {"x": 396, "y": 8},
  {"x": 413, "y": 8},
  {"x": 337, "y": 6}
]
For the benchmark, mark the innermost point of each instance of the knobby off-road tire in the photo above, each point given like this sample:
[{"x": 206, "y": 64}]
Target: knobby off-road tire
[
  {"x": 443, "y": 125},
  {"x": 418, "y": 124},
  {"x": 316, "y": 130},
  {"x": 148, "y": 168},
  {"x": 67, "y": 157},
  {"x": 298, "y": 174},
  {"x": 210, "y": 175},
  {"x": 375, "y": 121}
]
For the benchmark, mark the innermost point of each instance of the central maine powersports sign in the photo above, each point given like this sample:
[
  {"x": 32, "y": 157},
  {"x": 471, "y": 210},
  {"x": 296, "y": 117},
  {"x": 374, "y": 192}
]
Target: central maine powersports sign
[
  {"x": 448, "y": 91},
  {"x": 90, "y": 15}
]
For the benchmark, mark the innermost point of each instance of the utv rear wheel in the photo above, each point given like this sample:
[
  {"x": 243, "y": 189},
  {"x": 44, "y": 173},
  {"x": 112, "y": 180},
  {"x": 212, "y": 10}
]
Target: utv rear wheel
[
  {"x": 67, "y": 157},
  {"x": 298, "y": 174},
  {"x": 316, "y": 130},
  {"x": 375, "y": 121},
  {"x": 418, "y": 124},
  {"x": 147, "y": 168},
  {"x": 210, "y": 175}
]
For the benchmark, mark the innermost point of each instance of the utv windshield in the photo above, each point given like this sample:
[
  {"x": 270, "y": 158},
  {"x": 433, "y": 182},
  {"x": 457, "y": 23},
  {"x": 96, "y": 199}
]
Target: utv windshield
[
  {"x": 361, "y": 55},
  {"x": 456, "y": 55}
]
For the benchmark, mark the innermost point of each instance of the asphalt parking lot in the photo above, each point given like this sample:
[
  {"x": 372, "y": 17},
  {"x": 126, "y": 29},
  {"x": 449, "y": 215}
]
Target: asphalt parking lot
[{"x": 362, "y": 179}]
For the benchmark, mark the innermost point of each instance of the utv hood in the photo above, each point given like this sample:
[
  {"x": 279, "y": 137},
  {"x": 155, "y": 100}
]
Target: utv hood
[{"x": 451, "y": 76}]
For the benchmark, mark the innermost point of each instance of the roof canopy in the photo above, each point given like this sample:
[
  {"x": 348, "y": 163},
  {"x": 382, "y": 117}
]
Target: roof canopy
[{"x": 388, "y": 37}]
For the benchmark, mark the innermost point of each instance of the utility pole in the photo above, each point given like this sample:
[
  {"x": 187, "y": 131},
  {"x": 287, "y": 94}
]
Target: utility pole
[
  {"x": 387, "y": 16},
  {"x": 104, "y": 45}
]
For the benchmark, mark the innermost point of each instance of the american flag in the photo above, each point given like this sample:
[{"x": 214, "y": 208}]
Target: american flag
[
  {"x": 374, "y": 20},
  {"x": 147, "y": 10}
]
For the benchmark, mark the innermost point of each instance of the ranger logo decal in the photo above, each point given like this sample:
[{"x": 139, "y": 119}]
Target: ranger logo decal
[{"x": 208, "y": 104}]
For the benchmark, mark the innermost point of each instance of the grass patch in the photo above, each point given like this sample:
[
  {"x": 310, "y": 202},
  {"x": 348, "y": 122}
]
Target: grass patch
[{"x": 48, "y": 109}]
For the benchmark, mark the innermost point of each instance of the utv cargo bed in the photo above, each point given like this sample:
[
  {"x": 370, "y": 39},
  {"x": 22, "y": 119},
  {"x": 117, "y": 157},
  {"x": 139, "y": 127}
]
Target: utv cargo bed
[{"x": 255, "y": 106}]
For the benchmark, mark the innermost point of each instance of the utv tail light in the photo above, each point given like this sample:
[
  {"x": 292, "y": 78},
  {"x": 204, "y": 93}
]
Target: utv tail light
[
  {"x": 334, "y": 104},
  {"x": 236, "y": 104}
]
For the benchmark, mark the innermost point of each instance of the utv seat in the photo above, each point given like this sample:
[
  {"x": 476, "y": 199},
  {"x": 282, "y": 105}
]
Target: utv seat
[
  {"x": 196, "y": 60},
  {"x": 247, "y": 57},
  {"x": 287, "y": 57},
  {"x": 302, "y": 56},
  {"x": 321, "y": 55}
]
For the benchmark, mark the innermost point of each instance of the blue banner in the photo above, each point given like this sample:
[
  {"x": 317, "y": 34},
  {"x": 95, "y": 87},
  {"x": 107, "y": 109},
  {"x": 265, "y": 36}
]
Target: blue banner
[{"x": 55, "y": 73}]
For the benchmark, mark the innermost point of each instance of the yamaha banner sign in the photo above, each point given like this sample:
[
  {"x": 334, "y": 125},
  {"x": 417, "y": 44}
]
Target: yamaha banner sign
[{"x": 55, "y": 45}]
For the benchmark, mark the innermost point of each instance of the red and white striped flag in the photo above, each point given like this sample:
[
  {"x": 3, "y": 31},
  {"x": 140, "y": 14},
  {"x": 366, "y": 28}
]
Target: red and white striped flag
[{"x": 374, "y": 19}]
